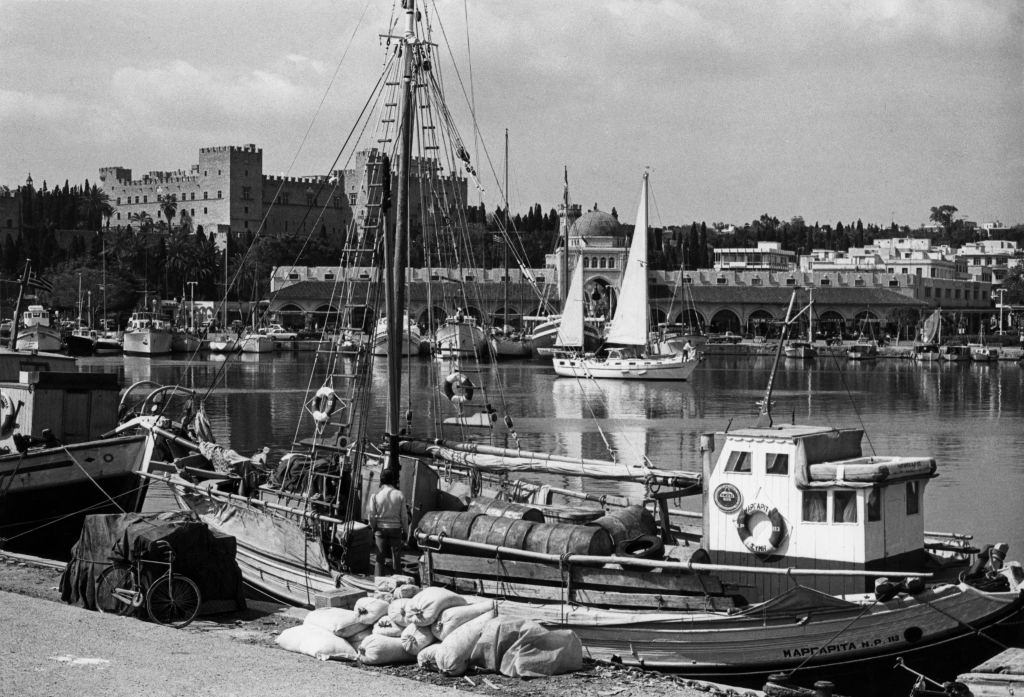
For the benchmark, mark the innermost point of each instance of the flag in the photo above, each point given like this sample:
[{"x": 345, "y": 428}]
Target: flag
[{"x": 39, "y": 283}]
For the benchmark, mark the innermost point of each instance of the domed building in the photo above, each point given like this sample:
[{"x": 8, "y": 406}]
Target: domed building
[{"x": 599, "y": 238}]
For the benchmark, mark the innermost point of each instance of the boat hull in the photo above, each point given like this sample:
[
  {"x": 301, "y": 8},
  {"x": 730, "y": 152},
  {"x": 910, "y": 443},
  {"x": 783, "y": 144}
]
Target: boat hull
[
  {"x": 673, "y": 367},
  {"x": 542, "y": 339},
  {"x": 39, "y": 338},
  {"x": 256, "y": 343},
  {"x": 48, "y": 492},
  {"x": 410, "y": 345},
  {"x": 144, "y": 342},
  {"x": 459, "y": 340},
  {"x": 505, "y": 347},
  {"x": 80, "y": 345}
]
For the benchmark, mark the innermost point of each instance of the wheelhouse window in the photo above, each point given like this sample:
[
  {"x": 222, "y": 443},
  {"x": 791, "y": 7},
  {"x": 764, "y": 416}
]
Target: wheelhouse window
[
  {"x": 874, "y": 505},
  {"x": 739, "y": 461},
  {"x": 815, "y": 506},
  {"x": 844, "y": 507},
  {"x": 776, "y": 463},
  {"x": 913, "y": 498}
]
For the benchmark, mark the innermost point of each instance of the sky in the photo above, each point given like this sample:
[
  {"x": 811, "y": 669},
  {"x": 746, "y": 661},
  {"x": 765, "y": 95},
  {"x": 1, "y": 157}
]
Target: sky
[{"x": 833, "y": 110}]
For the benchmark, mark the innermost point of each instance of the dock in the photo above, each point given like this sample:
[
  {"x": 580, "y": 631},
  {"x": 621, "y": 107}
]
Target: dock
[{"x": 999, "y": 676}]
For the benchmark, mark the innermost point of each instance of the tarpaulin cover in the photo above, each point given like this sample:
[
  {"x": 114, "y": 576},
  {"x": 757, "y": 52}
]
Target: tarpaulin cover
[{"x": 205, "y": 557}]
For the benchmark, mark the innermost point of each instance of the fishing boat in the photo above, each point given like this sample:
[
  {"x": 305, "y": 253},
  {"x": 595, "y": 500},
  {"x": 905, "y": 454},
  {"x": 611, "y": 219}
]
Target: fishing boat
[
  {"x": 55, "y": 466},
  {"x": 459, "y": 336},
  {"x": 863, "y": 349},
  {"x": 147, "y": 335},
  {"x": 798, "y": 525},
  {"x": 982, "y": 352},
  {"x": 954, "y": 353},
  {"x": 630, "y": 355},
  {"x": 411, "y": 341},
  {"x": 36, "y": 333}
]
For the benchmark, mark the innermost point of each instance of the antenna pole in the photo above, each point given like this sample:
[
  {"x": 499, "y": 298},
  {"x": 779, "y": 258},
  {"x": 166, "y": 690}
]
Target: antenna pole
[{"x": 764, "y": 418}]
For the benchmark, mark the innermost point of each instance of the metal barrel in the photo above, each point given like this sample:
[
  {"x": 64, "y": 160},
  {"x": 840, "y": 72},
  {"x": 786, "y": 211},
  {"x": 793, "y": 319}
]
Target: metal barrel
[
  {"x": 627, "y": 523},
  {"x": 455, "y": 524},
  {"x": 562, "y": 538},
  {"x": 500, "y": 531},
  {"x": 506, "y": 509}
]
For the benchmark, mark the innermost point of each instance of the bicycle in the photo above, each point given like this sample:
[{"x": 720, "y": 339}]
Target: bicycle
[{"x": 171, "y": 599}]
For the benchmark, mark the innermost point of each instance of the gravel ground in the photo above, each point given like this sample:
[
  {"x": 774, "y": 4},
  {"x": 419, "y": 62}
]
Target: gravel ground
[{"x": 52, "y": 649}]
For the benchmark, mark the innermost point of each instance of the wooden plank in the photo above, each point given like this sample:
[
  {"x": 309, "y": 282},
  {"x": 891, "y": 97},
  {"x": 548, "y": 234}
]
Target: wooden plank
[
  {"x": 641, "y": 582},
  {"x": 526, "y": 591}
]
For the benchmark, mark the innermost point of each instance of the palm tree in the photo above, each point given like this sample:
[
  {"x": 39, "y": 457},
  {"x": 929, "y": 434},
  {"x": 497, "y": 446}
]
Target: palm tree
[
  {"x": 169, "y": 205},
  {"x": 94, "y": 205},
  {"x": 144, "y": 219}
]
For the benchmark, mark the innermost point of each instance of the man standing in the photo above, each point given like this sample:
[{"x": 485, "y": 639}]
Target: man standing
[{"x": 389, "y": 519}]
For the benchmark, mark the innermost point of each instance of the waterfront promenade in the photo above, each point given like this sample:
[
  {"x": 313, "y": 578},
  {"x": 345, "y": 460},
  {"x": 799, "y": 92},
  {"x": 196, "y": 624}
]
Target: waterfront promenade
[{"x": 56, "y": 650}]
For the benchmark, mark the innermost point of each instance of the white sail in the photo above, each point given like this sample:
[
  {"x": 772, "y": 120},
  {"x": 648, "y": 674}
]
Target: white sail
[
  {"x": 570, "y": 331},
  {"x": 630, "y": 323},
  {"x": 930, "y": 330}
]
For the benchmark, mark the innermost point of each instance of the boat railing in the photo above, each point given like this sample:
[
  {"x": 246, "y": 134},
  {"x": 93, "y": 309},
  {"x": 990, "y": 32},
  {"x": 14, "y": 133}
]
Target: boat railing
[{"x": 432, "y": 542}]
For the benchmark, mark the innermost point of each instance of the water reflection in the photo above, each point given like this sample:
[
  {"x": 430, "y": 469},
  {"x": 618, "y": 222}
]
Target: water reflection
[{"x": 970, "y": 417}]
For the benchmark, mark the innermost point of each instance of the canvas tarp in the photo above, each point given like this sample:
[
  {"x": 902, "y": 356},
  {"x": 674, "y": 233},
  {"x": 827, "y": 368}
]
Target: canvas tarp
[{"x": 202, "y": 555}]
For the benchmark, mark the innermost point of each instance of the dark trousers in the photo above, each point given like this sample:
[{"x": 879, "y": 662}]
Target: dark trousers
[{"x": 389, "y": 544}]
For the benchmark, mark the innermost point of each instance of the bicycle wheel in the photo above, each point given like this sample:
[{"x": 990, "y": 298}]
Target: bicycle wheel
[
  {"x": 173, "y": 600},
  {"x": 114, "y": 577}
]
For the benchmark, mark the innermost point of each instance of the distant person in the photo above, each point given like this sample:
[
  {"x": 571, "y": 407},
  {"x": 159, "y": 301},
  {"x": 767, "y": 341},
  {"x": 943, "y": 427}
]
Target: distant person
[{"x": 389, "y": 519}]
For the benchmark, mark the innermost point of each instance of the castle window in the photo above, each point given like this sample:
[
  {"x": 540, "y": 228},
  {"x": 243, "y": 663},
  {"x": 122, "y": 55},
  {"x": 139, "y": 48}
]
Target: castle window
[
  {"x": 206, "y": 195},
  {"x": 193, "y": 196},
  {"x": 119, "y": 200},
  {"x": 136, "y": 199},
  {"x": 586, "y": 262},
  {"x": 246, "y": 224},
  {"x": 218, "y": 172},
  {"x": 219, "y": 195},
  {"x": 611, "y": 262},
  {"x": 246, "y": 209},
  {"x": 204, "y": 210},
  {"x": 603, "y": 262},
  {"x": 192, "y": 212},
  {"x": 145, "y": 199},
  {"x": 246, "y": 193},
  {"x": 352, "y": 198},
  {"x": 118, "y": 216}
]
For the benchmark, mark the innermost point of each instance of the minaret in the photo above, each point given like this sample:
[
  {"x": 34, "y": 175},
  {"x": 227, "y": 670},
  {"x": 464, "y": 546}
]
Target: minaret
[{"x": 568, "y": 213}]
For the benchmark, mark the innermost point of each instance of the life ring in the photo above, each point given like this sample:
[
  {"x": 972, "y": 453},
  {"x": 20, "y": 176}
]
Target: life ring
[
  {"x": 778, "y": 528},
  {"x": 324, "y": 403},
  {"x": 458, "y": 388},
  {"x": 8, "y": 417}
]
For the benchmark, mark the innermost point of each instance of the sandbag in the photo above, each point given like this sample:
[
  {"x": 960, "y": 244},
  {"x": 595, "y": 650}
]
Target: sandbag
[
  {"x": 385, "y": 627},
  {"x": 316, "y": 642},
  {"x": 377, "y": 650},
  {"x": 415, "y": 639},
  {"x": 369, "y": 610},
  {"x": 358, "y": 637},
  {"x": 495, "y": 639},
  {"x": 457, "y": 648},
  {"x": 407, "y": 590},
  {"x": 540, "y": 652},
  {"x": 389, "y": 584},
  {"x": 426, "y": 606},
  {"x": 427, "y": 657},
  {"x": 454, "y": 617},
  {"x": 396, "y": 612},
  {"x": 336, "y": 620}
]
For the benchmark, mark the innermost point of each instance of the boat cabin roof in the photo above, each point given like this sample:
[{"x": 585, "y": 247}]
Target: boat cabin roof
[{"x": 786, "y": 432}]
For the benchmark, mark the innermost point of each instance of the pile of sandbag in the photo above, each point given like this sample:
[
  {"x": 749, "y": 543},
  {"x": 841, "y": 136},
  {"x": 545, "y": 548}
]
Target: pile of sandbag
[{"x": 441, "y": 630}]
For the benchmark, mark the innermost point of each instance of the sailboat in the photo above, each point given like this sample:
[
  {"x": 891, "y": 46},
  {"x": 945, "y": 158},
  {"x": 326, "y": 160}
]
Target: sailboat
[
  {"x": 982, "y": 352},
  {"x": 927, "y": 349},
  {"x": 412, "y": 339},
  {"x": 770, "y": 589},
  {"x": 629, "y": 336},
  {"x": 804, "y": 349}
]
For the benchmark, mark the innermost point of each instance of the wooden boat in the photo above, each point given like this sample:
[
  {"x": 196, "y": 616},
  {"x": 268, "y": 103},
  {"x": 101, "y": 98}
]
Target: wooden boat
[
  {"x": 954, "y": 353},
  {"x": 630, "y": 355},
  {"x": 411, "y": 338},
  {"x": 459, "y": 336},
  {"x": 797, "y": 523},
  {"x": 54, "y": 465},
  {"x": 862, "y": 350},
  {"x": 982, "y": 352},
  {"x": 36, "y": 333}
]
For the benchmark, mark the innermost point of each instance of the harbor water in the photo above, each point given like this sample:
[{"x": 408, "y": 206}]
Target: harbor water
[{"x": 968, "y": 416}]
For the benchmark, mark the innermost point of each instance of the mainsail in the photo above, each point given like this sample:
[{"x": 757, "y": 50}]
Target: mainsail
[
  {"x": 630, "y": 323},
  {"x": 930, "y": 330},
  {"x": 570, "y": 331}
]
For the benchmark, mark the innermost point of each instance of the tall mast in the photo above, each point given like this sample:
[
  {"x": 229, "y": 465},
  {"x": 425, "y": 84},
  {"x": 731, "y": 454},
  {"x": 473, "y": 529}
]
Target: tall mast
[
  {"x": 397, "y": 277},
  {"x": 504, "y": 307},
  {"x": 17, "y": 305},
  {"x": 764, "y": 418},
  {"x": 564, "y": 276}
]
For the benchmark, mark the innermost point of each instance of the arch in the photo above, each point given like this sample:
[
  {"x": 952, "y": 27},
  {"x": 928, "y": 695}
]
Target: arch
[
  {"x": 431, "y": 317},
  {"x": 499, "y": 314},
  {"x": 363, "y": 317},
  {"x": 476, "y": 313},
  {"x": 291, "y": 317},
  {"x": 598, "y": 297},
  {"x": 692, "y": 320},
  {"x": 326, "y": 315},
  {"x": 725, "y": 321},
  {"x": 657, "y": 315},
  {"x": 761, "y": 323},
  {"x": 868, "y": 324},
  {"x": 831, "y": 324}
]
